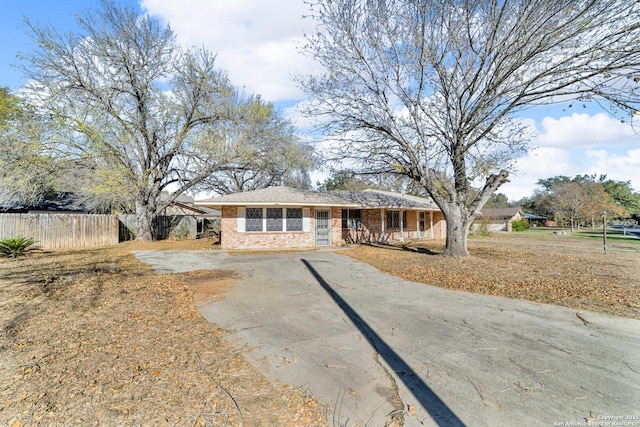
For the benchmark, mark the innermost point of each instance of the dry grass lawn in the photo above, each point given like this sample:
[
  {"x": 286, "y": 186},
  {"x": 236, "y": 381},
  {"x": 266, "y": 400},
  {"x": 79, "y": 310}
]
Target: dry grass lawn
[
  {"x": 569, "y": 270},
  {"x": 93, "y": 337}
]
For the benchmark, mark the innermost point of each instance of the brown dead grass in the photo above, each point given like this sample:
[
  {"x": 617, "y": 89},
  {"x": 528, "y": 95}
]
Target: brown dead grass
[
  {"x": 561, "y": 270},
  {"x": 93, "y": 337}
]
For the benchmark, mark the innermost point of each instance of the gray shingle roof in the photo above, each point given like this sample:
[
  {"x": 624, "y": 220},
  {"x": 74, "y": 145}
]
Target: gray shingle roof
[
  {"x": 61, "y": 202},
  {"x": 386, "y": 199},
  {"x": 182, "y": 198},
  {"x": 499, "y": 212},
  {"x": 283, "y": 195}
]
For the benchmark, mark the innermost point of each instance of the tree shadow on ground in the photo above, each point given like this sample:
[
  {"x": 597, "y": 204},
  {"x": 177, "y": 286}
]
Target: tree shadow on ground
[
  {"x": 403, "y": 247},
  {"x": 437, "y": 409}
]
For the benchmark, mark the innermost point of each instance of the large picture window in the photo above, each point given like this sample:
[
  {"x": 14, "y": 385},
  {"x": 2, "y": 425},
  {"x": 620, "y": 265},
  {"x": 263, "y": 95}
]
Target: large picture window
[
  {"x": 352, "y": 219},
  {"x": 393, "y": 219},
  {"x": 274, "y": 219}
]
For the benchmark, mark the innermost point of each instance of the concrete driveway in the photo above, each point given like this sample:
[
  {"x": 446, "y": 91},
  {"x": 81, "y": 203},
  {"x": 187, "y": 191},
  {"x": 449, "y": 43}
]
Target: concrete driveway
[{"x": 376, "y": 348}]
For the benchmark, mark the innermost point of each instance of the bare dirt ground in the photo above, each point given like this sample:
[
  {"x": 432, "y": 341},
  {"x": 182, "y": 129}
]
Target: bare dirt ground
[
  {"x": 93, "y": 337},
  {"x": 566, "y": 270}
]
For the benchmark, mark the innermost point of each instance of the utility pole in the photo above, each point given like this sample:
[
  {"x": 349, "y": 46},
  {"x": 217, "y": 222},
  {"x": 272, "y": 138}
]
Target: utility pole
[{"x": 604, "y": 230}]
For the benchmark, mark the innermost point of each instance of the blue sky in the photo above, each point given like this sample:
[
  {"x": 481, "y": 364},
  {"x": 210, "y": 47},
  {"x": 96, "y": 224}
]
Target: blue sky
[
  {"x": 256, "y": 43},
  {"x": 59, "y": 13}
]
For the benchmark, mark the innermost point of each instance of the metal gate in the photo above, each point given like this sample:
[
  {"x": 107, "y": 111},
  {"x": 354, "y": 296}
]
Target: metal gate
[{"x": 323, "y": 228}]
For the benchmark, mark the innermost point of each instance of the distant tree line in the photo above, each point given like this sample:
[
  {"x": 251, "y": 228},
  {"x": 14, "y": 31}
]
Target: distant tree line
[{"x": 583, "y": 198}]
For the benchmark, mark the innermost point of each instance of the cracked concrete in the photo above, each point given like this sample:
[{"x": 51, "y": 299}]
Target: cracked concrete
[{"x": 376, "y": 348}]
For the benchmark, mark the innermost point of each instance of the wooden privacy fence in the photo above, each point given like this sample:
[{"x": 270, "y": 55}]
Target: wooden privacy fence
[
  {"x": 62, "y": 230},
  {"x": 53, "y": 231}
]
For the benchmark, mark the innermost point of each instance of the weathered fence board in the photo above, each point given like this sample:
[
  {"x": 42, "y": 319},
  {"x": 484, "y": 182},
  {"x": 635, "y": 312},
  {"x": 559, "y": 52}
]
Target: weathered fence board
[
  {"x": 53, "y": 231},
  {"x": 62, "y": 230}
]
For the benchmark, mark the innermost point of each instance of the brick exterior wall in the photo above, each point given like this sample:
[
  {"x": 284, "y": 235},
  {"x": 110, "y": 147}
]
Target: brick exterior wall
[
  {"x": 231, "y": 239},
  {"x": 439, "y": 226},
  {"x": 371, "y": 231}
]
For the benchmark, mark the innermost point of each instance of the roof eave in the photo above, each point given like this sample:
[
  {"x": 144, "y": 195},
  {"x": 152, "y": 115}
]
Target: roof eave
[
  {"x": 283, "y": 204},
  {"x": 218, "y": 205}
]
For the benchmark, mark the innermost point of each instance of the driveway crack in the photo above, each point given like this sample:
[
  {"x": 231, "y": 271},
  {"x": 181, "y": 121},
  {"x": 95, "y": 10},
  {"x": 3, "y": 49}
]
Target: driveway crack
[{"x": 397, "y": 415}]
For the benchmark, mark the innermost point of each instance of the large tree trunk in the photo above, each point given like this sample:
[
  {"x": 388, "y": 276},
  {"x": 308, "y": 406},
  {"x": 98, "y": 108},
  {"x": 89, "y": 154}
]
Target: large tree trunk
[
  {"x": 457, "y": 231},
  {"x": 145, "y": 224}
]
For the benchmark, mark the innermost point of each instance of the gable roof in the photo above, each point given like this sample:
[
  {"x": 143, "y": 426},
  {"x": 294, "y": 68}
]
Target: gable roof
[
  {"x": 187, "y": 202},
  {"x": 182, "y": 198},
  {"x": 534, "y": 216},
  {"x": 287, "y": 196},
  {"x": 501, "y": 212}
]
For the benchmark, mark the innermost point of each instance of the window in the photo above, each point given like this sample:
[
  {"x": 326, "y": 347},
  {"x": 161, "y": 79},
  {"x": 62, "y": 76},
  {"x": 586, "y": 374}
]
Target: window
[
  {"x": 274, "y": 219},
  {"x": 352, "y": 219},
  {"x": 254, "y": 219},
  {"x": 393, "y": 219},
  {"x": 294, "y": 219}
]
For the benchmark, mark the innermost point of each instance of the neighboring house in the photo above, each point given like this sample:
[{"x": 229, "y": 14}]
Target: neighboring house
[
  {"x": 539, "y": 221},
  {"x": 497, "y": 219},
  {"x": 182, "y": 219},
  {"x": 185, "y": 205},
  {"x": 207, "y": 220},
  {"x": 283, "y": 217}
]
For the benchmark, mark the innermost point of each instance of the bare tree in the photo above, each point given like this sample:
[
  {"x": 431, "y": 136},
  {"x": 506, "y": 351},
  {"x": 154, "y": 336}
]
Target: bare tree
[
  {"x": 573, "y": 201},
  {"x": 581, "y": 199},
  {"x": 138, "y": 114},
  {"x": 267, "y": 151},
  {"x": 432, "y": 89}
]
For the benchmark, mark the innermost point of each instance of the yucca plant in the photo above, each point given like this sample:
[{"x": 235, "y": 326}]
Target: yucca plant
[{"x": 15, "y": 247}]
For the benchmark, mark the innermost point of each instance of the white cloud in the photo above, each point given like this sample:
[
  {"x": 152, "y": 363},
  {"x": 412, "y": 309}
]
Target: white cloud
[
  {"x": 584, "y": 130},
  {"x": 539, "y": 163},
  {"x": 625, "y": 167},
  {"x": 256, "y": 41},
  {"x": 576, "y": 145}
]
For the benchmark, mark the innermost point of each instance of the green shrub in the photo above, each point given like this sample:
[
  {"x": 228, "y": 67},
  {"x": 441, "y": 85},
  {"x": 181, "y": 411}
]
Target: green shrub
[
  {"x": 15, "y": 247},
  {"x": 483, "y": 231},
  {"x": 520, "y": 225}
]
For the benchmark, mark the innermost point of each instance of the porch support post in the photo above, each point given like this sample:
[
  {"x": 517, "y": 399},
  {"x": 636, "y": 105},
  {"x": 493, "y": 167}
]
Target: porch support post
[
  {"x": 401, "y": 225},
  {"x": 431, "y": 223},
  {"x": 383, "y": 239}
]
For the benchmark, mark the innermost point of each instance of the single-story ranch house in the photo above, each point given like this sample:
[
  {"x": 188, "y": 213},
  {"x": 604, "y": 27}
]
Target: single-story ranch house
[
  {"x": 282, "y": 218},
  {"x": 498, "y": 219}
]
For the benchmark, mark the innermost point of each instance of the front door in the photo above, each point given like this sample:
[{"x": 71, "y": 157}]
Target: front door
[
  {"x": 323, "y": 228},
  {"x": 421, "y": 225}
]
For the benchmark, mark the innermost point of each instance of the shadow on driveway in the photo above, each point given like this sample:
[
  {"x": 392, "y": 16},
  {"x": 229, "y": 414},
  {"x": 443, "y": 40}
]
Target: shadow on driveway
[{"x": 438, "y": 410}]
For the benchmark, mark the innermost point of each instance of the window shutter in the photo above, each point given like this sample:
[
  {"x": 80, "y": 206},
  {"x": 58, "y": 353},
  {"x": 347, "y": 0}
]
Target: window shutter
[
  {"x": 241, "y": 216},
  {"x": 306, "y": 219}
]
